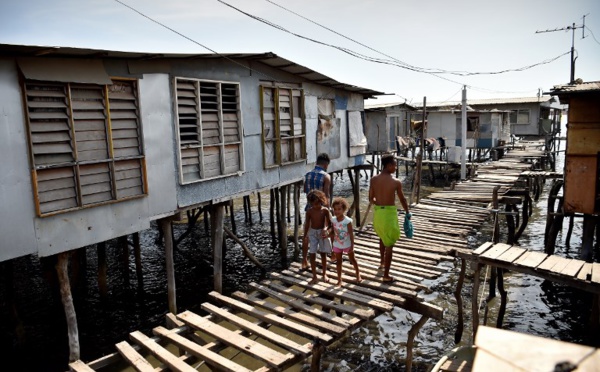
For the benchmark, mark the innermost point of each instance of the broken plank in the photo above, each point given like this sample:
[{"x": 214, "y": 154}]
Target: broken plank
[{"x": 596, "y": 273}]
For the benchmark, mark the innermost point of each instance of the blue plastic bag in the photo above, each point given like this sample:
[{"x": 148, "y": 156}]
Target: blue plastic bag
[{"x": 408, "y": 226}]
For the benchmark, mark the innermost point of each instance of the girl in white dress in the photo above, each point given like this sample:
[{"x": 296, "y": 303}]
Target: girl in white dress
[{"x": 343, "y": 237}]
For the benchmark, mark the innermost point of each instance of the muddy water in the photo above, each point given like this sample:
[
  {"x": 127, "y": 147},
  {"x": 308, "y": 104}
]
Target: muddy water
[{"x": 534, "y": 307}]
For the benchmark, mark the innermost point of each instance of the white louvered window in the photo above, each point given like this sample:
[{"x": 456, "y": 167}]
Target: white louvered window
[
  {"x": 86, "y": 144},
  {"x": 283, "y": 126},
  {"x": 210, "y": 129}
]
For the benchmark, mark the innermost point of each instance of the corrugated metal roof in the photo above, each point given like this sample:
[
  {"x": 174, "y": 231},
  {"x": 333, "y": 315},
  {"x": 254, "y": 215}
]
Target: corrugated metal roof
[
  {"x": 269, "y": 59},
  {"x": 386, "y": 105},
  {"x": 576, "y": 88}
]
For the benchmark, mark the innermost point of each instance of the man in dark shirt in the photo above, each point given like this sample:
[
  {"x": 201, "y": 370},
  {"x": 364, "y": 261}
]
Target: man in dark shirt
[{"x": 318, "y": 178}]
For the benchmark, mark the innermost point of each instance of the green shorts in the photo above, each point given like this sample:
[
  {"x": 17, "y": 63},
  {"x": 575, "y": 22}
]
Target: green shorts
[{"x": 385, "y": 223}]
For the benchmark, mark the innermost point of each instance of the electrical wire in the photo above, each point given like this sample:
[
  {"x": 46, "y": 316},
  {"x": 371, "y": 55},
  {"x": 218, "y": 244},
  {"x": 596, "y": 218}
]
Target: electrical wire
[
  {"x": 422, "y": 69},
  {"x": 591, "y": 32},
  {"x": 284, "y": 85}
]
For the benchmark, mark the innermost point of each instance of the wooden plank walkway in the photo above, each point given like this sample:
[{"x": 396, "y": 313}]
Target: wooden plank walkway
[
  {"x": 284, "y": 320},
  {"x": 572, "y": 272}
]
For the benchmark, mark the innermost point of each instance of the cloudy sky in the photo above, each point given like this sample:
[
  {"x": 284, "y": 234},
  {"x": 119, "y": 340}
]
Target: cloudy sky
[{"x": 461, "y": 35}]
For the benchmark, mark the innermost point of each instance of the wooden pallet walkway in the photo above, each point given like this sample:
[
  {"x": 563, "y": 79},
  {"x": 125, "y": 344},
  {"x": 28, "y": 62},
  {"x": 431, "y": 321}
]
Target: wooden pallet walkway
[{"x": 284, "y": 320}]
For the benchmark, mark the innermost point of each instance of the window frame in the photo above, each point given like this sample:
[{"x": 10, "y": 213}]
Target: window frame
[
  {"x": 518, "y": 112},
  {"x": 76, "y": 164},
  {"x": 278, "y": 139},
  {"x": 201, "y": 146}
]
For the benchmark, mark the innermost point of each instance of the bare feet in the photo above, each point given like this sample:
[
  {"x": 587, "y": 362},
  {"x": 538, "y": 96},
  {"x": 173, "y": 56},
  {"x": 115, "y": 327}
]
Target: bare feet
[
  {"x": 314, "y": 281},
  {"x": 325, "y": 279},
  {"x": 359, "y": 279},
  {"x": 387, "y": 279},
  {"x": 304, "y": 265},
  {"x": 339, "y": 284}
]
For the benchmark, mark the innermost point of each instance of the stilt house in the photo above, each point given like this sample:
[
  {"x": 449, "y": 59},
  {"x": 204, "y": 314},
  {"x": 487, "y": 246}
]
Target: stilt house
[
  {"x": 384, "y": 123},
  {"x": 97, "y": 144},
  {"x": 582, "y": 157}
]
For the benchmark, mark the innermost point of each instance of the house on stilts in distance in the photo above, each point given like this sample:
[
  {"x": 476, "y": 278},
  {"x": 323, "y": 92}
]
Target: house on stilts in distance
[
  {"x": 97, "y": 144},
  {"x": 581, "y": 196}
]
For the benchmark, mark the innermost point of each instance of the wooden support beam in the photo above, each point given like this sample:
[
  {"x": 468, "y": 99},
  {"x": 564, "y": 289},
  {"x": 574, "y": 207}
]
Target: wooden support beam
[
  {"x": 414, "y": 330},
  {"x": 138, "y": 259},
  {"x": 216, "y": 235},
  {"x": 102, "y": 269},
  {"x": 459, "y": 304},
  {"x": 62, "y": 269},
  {"x": 165, "y": 226}
]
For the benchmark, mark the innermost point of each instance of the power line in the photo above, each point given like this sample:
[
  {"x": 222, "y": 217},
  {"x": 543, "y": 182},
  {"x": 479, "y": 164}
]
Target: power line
[
  {"x": 416, "y": 68},
  {"x": 200, "y": 44},
  {"x": 591, "y": 32}
]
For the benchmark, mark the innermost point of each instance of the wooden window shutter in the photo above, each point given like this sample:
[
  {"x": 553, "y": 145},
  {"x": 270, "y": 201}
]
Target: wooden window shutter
[
  {"x": 269, "y": 126},
  {"x": 210, "y": 131},
  {"x": 51, "y": 143},
  {"x": 232, "y": 129},
  {"x": 188, "y": 117}
]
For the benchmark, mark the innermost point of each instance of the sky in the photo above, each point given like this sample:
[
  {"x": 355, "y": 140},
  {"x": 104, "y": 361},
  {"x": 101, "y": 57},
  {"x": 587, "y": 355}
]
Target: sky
[{"x": 460, "y": 35}]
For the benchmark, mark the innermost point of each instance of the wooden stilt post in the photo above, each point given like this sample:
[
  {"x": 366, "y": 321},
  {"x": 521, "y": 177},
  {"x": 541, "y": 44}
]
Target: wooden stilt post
[
  {"x": 165, "y": 225},
  {"x": 7, "y": 269},
  {"x": 216, "y": 238},
  {"x": 503, "y": 297},
  {"x": 357, "y": 197},
  {"x": 124, "y": 244},
  {"x": 296, "y": 217},
  {"x": 475, "y": 299},
  {"x": 510, "y": 224},
  {"x": 62, "y": 269},
  {"x": 283, "y": 222},
  {"x": 206, "y": 220},
  {"x": 273, "y": 199},
  {"x": 288, "y": 191},
  {"x": 414, "y": 330},
  {"x": 259, "y": 202},
  {"x": 232, "y": 217},
  {"x": 587, "y": 237},
  {"x": 570, "y": 230},
  {"x": 459, "y": 304},
  {"x": 249, "y": 209},
  {"x": 352, "y": 208},
  {"x": 102, "y": 269},
  {"x": 318, "y": 348},
  {"x": 245, "y": 203},
  {"x": 138, "y": 259}
]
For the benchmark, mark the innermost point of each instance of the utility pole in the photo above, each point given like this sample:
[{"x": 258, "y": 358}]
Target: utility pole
[
  {"x": 463, "y": 136},
  {"x": 573, "y": 27}
]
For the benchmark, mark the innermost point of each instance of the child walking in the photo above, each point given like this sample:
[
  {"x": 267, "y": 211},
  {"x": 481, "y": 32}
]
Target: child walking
[
  {"x": 316, "y": 233},
  {"x": 343, "y": 238}
]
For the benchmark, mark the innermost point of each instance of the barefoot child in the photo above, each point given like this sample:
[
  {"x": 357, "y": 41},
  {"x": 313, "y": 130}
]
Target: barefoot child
[
  {"x": 343, "y": 238},
  {"x": 316, "y": 233}
]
